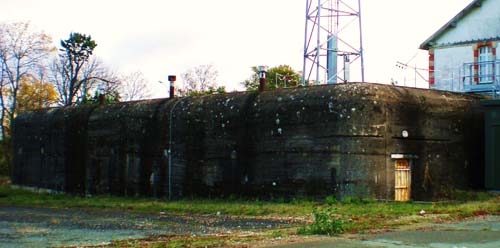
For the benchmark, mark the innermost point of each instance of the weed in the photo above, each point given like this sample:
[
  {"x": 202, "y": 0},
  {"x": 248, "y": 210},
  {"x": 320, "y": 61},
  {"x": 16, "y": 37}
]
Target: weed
[
  {"x": 330, "y": 199},
  {"x": 301, "y": 201},
  {"x": 351, "y": 200},
  {"x": 325, "y": 223},
  {"x": 358, "y": 214},
  {"x": 276, "y": 234},
  {"x": 279, "y": 200},
  {"x": 368, "y": 200},
  {"x": 238, "y": 207}
]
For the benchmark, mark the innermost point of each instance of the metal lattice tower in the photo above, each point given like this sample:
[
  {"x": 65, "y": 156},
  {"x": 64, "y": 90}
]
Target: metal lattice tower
[{"x": 333, "y": 34}]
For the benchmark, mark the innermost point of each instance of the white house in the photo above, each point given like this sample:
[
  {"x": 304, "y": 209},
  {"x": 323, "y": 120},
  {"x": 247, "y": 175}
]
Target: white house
[{"x": 463, "y": 53}]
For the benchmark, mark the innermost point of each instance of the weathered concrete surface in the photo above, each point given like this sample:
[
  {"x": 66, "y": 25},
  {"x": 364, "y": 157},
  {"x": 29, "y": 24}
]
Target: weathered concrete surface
[
  {"x": 34, "y": 227},
  {"x": 313, "y": 141},
  {"x": 492, "y": 143},
  {"x": 51, "y": 152},
  {"x": 481, "y": 232}
]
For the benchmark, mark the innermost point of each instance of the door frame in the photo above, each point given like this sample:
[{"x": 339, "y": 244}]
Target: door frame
[{"x": 411, "y": 162}]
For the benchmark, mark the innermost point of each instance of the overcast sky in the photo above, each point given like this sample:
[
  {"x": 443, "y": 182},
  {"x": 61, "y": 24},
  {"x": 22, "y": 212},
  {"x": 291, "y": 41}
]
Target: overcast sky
[{"x": 162, "y": 37}]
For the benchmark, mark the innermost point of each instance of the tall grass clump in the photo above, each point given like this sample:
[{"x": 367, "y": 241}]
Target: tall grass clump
[{"x": 326, "y": 222}]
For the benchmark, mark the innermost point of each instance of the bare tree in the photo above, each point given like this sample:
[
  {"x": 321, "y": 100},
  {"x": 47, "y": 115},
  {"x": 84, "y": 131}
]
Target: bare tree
[
  {"x": 3, "y": 114},
  {"x": 75, "y": 74},
  {"x": 100, "y": 78},
  {"x": 201, "y": 78},
  {"x": 22, "y": 49},
  {"x": 134, "y": 87},
  {"x": 92, "y": 76}
]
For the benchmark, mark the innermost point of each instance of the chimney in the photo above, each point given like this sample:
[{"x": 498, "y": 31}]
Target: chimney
[
  {"x": 171, "y": 79},
  {"x": 262, "y": 70},
  {"x": 101, "y": 99}
]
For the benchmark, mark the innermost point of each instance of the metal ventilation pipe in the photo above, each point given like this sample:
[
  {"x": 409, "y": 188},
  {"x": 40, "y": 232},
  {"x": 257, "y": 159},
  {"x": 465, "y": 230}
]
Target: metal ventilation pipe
[
  {"x": 102, "y": 99},
  {"x": 171, "y": 79},
  {"x": 102, "y": 95},
  {"x": 262, "y": 70}
]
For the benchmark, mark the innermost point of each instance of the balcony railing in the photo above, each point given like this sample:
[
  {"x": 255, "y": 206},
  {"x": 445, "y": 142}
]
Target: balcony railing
[{"x": 481, "y": 77}]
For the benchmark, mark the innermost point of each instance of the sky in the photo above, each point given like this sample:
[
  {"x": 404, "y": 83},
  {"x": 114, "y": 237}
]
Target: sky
[{"x": 165, "y": 37}]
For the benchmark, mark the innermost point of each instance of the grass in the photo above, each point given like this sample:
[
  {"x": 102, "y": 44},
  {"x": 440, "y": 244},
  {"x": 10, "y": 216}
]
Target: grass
[
  {"x": 357, "y": 214},
  {"x": 238, "y": 207},
  {"x": 322, "y": 217},
  {"x": 368, "y": 214},
  {"x": 223, "y": 240},
  {"x": 326, "y": 222}
]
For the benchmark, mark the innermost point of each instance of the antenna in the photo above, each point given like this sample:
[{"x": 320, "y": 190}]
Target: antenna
[
  {"x": 331, "y": 34},
  {"x": 417, "y": 70}
]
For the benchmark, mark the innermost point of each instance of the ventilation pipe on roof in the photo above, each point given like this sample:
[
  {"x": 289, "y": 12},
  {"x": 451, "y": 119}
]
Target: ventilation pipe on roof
[
  {"x": 171, "y": 79},
  {"x": 262, "y": 70},
  {"x": 101, "y": 99}
]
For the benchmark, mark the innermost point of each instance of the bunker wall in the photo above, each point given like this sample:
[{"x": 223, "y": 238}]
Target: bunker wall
[{"x": 315, "y": 141}]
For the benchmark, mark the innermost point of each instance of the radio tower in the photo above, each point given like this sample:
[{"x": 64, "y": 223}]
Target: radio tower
[{"x": 333, "y": 37}]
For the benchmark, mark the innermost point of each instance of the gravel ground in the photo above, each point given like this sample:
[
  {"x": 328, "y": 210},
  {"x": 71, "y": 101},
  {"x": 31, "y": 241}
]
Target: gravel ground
[
  {"x": 47, "y": 227},
  {"x": 477, "y": 232}
]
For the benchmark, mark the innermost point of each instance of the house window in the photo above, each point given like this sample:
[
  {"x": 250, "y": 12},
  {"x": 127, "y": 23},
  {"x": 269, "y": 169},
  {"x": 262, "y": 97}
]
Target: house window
[{"x": 485, "y": 65}]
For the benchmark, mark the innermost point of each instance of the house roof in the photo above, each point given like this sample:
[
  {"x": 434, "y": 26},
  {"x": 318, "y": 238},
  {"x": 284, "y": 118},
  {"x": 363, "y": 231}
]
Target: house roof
[{"x": 451, "y": 24}]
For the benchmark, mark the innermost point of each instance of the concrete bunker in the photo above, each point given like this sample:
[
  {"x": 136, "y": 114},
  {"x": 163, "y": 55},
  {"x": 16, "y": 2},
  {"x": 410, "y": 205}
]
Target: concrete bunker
[{"x": 311, "y": 141}]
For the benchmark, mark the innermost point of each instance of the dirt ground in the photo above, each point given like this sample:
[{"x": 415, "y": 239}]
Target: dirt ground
[
  {"x": 46, "y": 227},
  {"x": 480, "y": 232}
]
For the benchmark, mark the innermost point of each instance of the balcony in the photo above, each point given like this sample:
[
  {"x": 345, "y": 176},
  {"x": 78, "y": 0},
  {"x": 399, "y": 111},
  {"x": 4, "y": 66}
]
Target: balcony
[{"x": 481, "y": 77}]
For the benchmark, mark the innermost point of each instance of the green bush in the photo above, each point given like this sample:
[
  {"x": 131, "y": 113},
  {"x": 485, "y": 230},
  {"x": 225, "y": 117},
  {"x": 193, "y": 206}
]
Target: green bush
[
  {"x": 331, "y": 199},
  {"x": 325, "y": 223}
]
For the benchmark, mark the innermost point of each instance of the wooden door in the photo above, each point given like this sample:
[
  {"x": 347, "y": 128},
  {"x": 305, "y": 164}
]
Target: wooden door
[{"x": 402, "y": 183}]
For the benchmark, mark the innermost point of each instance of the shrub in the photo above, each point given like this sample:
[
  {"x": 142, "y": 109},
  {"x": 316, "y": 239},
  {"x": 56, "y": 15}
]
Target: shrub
[
  {"x": 325, "y": 223},
  {"x": 331, "y": 199}
]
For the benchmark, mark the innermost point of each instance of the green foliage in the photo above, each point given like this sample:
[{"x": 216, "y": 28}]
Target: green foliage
[
  {"x": 302, "y": 200},
  {"x": 237, "y": 207},
  {"x": 282, "y": 76},
  {"x": 211, "y": 91},
  {"x": 351, "y": 200},
  {"x": 330, "y": 199},
  {"x": 78, "y": 47},
  {"x": 95, "y": 99},
  {"x": 357, "y": 200},
  {"x": 326, "y": 222},
  {"x": 75, "y": 73},
  {"x": 278, "y": 234},
  {"x": 368, "y": 200},
  {"x": 329, "y": 219}
]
